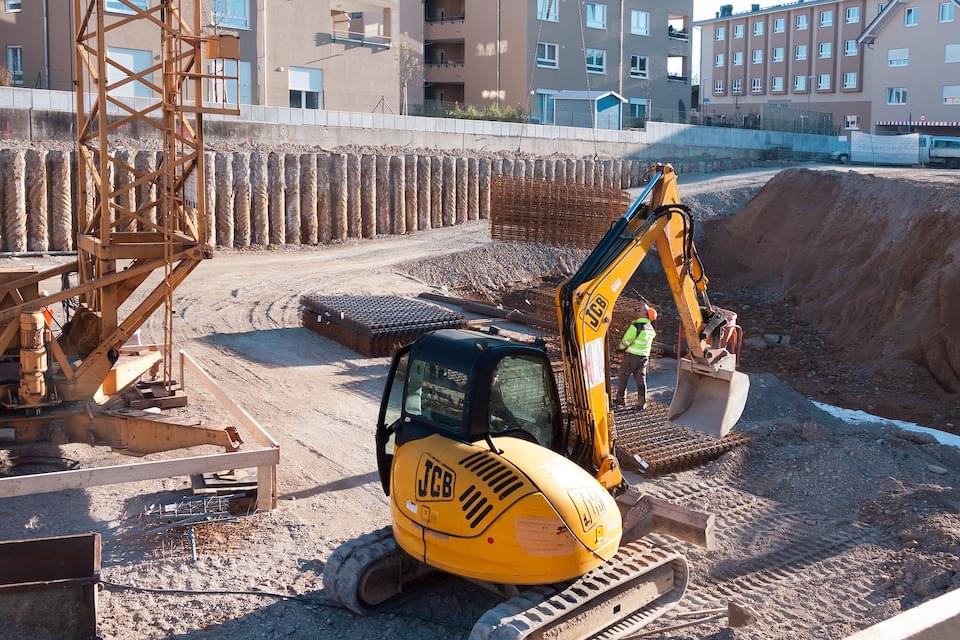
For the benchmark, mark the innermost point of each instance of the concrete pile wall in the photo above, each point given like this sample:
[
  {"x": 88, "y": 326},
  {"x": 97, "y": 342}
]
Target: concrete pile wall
[{"x": 274, "y": 198}]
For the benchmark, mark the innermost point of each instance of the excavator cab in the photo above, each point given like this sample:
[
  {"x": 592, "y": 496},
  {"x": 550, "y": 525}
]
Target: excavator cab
[{"x": 470, "y": 387}]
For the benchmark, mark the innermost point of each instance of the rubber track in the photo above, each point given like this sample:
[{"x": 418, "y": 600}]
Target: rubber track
[
  {"x": 341, "y": 574},
  {"x": 537, "y": 608}
]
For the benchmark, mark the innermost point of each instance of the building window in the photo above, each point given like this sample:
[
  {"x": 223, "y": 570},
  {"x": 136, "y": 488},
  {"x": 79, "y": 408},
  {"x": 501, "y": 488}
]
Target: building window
[
  {"x": 640, "y": 24},
  {"x": 823, "y": 81},
  {"x": 826, "y": 18},
  {"x": 851, "y": 122},
  {"x": 778, "y": 54},
  {"x": 736, "y": 86},
  {"x": 911, "y": 17},
  {"x": 306, "y": 87},
  {"x": 547, "y": 10},
  {"x": 756, "y": 85},
  {"x": 596, "y": 61},
  {"x": 738, "y": 31},
  {"x": 758, "y": 56},
  {"x": 547, "y": 55},
  {"x": 639, "y": 67},
  {"x": 596, "y": 15},
  {"x": 802, "y": 22},
  {"x": 801, "y": 52},
  {"x": 779, "y": 25},
  {"x": 721, "y": 34},
  {"x": 638, "y": 111},
  {"x": 15, "y": 64},
  {"x": 951, "y": 94},
  {"x": 853, "y": 15},
  {"x": 718, "y": 86},
  {"x": 113, "y": 6},
  {"x": 850, "y": 80},
  {"x": 718, "y": 60},
  {"x": 951, "y": 53},
  {"x": 896, "y": 95},
  {"x": 799, "y": 83},
  {"x": 777, "y": 84},
  {"x": 738, "y": 58},
  {"x": 826, "y": 50},
  {"x": 758, "y": 28},
  {"x": 850, "y": 48},
  {"x": 13, "y": 5},
  {"x": 898, "y": 57},
  {"x": 230, "y": 90},
  {"x": 135, "y": 60},
  {"x": 545, "y": 110},
  {"x": 948, "y": 12},
  {"x": 233, "y": 14}
]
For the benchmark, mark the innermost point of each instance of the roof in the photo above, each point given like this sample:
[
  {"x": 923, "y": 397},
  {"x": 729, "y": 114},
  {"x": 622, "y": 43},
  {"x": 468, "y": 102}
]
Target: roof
[
  {"x": 568, "y": 94},
  {"x": 870, "y": 32},
  {"x": 787, "y": 6}
]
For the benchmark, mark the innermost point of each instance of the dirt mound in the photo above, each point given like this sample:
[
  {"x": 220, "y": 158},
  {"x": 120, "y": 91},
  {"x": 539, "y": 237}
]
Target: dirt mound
[{"x": 873, "y": 260}]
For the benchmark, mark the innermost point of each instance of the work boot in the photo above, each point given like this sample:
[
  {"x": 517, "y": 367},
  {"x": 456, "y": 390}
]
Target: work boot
[
  {"x": 618, "y": 402},
  {"x": 642, "y": 405}
]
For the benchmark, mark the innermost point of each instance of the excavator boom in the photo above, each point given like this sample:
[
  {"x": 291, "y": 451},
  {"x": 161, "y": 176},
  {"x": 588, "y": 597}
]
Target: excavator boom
[{"x": 710, "y": 393}]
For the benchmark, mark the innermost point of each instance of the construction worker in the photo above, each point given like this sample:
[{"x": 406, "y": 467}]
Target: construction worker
[{"x": 635, "y": 346}]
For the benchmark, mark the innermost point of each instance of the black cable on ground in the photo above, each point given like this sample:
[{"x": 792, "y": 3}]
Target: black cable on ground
[{"x": 268, "y": 594}]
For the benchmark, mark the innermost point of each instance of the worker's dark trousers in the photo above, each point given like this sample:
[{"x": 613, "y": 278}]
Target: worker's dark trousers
[{"x": 635, "y": 366}]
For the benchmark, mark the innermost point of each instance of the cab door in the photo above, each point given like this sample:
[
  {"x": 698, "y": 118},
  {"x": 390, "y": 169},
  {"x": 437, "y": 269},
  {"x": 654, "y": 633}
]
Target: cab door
[{"x": 391, "y": 408}]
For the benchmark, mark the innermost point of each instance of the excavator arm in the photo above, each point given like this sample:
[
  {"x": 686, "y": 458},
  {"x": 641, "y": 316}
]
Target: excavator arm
[{"x": 710, "y": 393}]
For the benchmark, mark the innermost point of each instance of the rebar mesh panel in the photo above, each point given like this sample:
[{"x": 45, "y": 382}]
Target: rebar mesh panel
[{"x": 554, "y": 213}]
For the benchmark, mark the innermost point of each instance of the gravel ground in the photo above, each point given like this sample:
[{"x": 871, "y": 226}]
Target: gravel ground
[{"x": 824, "y": 528}]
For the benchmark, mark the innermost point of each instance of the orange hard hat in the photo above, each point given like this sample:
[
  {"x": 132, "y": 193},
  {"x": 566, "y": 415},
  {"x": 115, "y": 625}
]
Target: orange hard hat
[{"x": 651, "y": 313}]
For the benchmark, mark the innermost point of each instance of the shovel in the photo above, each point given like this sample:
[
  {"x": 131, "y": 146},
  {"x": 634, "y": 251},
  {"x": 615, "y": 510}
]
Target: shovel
[{"x": 709, "y": 397}]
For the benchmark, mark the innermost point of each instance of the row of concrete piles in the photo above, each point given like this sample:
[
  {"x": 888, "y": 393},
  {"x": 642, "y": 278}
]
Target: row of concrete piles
[{"x": 275, "y": 198}]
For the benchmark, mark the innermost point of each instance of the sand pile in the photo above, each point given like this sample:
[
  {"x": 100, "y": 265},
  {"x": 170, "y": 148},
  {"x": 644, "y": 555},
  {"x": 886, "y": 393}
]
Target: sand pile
[{"x": 875, "y": 261}]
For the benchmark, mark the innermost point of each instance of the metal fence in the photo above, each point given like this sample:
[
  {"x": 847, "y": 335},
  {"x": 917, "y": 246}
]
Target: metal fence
[{"x": 757, "y": 117}]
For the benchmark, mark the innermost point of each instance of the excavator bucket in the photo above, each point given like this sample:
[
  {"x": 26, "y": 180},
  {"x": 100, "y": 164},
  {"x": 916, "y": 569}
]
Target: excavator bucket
[{"x": 708, "y": 401}]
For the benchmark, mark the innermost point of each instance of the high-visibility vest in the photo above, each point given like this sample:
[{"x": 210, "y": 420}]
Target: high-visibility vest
[{"x": 638, "y": 340}]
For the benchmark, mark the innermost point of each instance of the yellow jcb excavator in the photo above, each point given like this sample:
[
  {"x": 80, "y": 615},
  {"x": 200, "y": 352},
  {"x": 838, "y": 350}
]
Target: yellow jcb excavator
[{"x": 491, "y": 480}]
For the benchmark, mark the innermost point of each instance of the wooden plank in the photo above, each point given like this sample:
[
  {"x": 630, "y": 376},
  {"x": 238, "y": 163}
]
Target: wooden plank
[
  {"x": 136, "y": 472},
  {"x": 267, "y": 486},
  {"x": 239, "y": 413}
]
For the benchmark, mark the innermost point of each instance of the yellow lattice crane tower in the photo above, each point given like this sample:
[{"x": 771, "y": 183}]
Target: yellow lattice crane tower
[{"x": 107, "y": 292}]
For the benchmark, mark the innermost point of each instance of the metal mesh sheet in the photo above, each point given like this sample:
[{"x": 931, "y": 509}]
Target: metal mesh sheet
[{"x": 555, "y": 213}]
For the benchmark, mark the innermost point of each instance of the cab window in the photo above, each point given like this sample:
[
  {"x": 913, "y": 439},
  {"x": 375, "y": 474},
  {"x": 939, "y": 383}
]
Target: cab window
[
  {"x": 521, "y": 397},
  {"x": 436, "y": 394}
]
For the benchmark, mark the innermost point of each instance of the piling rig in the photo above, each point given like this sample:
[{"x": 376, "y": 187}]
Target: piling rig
[{"x": 60, "y": 382}]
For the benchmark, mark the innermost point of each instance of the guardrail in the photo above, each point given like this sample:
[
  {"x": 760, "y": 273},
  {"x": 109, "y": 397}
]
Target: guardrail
[{"x": 356, "y": 37}]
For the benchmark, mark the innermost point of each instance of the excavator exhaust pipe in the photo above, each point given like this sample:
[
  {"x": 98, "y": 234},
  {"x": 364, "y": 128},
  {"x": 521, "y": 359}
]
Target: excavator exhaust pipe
[{"x": 709, "y": 399}]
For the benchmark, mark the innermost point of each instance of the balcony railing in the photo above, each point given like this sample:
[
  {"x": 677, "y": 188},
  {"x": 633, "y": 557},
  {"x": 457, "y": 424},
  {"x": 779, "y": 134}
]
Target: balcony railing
[
  {"x": 363, "y": 39},
  {"x": 444, "y": 63},
  {"x": 676, "y": 34},
  {"x": 438, "y": 20},
  {"x": 676, "y": 77}
]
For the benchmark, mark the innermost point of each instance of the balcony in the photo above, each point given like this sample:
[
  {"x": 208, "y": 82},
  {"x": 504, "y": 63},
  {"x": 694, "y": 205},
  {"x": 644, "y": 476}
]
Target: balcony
[
  {"x": 448, "y": 28},
  {"x": 446, "y": 72},
  {"x": 676, "y": 77},
  {"x": 361, "y": 39},
  {"x": 681, "y": 35}
]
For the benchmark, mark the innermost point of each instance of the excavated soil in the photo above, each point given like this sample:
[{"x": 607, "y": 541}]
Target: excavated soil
[{"x": 862, "y": 272}]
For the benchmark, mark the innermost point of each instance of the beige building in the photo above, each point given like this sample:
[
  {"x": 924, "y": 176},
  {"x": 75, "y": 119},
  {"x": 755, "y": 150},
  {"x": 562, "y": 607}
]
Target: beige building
[
  {"x": 530, "y": 54},
  {"x": 912, "y": 67},
  {"x": 799, "y": 57},
  {"x": 311, "y": 54}
]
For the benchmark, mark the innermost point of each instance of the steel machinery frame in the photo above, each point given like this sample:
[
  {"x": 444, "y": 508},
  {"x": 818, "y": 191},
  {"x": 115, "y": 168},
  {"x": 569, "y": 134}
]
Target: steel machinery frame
[{"x": 107, "y": 292}]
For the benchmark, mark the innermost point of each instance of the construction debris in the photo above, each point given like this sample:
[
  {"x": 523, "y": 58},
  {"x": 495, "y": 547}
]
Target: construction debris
[{"x": 375, "y": 325}]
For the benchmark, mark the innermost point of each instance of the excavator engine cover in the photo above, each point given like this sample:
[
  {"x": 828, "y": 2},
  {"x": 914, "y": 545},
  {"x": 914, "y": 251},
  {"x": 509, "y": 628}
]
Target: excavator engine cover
[{"x": 709, "y": 400}]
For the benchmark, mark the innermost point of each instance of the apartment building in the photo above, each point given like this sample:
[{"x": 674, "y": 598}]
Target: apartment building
[
  {"x": 805, "y": 56},
  {"x": 310, "y": 54},
  {"x": 912, "y": 67},
  {"x": 553, "y": 57}
]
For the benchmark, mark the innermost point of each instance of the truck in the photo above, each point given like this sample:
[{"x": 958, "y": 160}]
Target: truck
[{"x": 901, "y": 150}]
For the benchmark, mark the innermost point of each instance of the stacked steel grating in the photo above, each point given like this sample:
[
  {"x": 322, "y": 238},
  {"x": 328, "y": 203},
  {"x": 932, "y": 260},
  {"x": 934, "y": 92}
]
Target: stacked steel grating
[
  {"x": 647, "y": 442},
  {"x": 375, "y": 325},
  {"x": 555, "y": 213}
]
